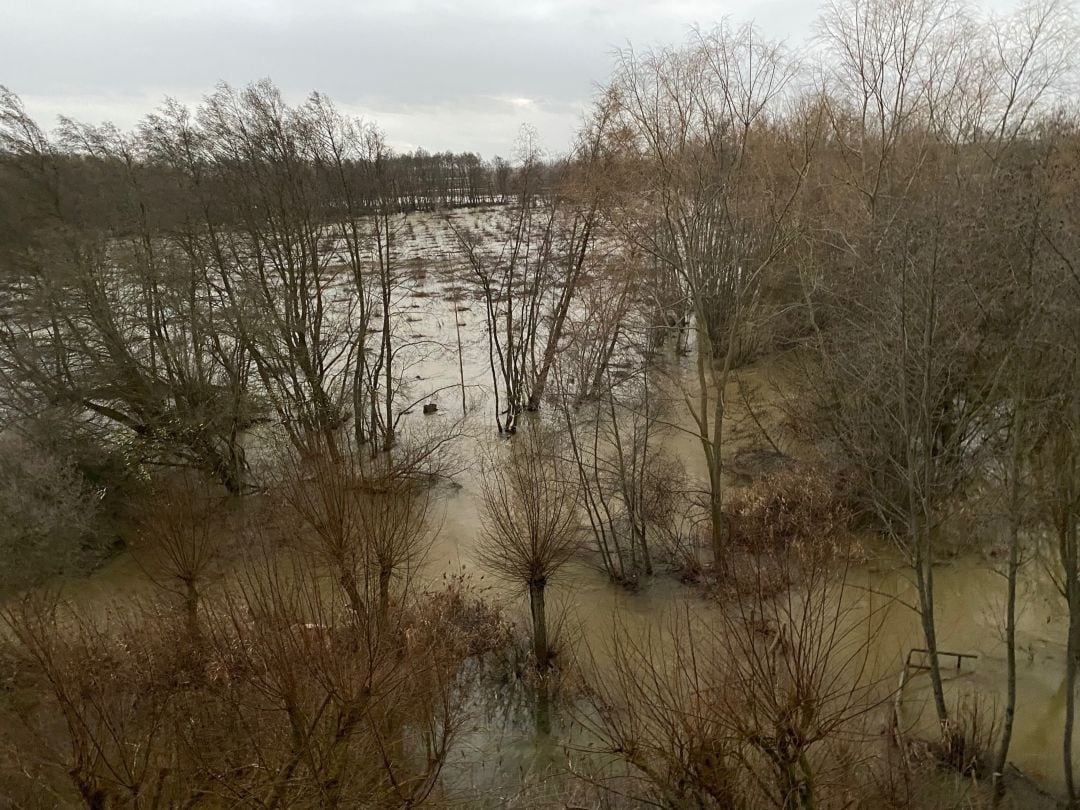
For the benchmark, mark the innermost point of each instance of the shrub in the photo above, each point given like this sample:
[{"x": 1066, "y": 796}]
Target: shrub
[
  {"x": 47, "y": 513},
  {"x": 788, "y": 509}
]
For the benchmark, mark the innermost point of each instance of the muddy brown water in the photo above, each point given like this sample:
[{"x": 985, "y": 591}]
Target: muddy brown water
[{"x": 970, "y": 591}]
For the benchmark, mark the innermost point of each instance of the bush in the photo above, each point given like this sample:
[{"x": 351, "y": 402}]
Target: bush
[
  {"x": 286, "y": 695},
  {"x": 47, "y": 513},
  {"x": 788, "y": 509}
]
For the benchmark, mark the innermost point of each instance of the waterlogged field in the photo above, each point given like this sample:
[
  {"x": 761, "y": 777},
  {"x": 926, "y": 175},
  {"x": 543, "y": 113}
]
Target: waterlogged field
[{"x": 444, "y": 360}]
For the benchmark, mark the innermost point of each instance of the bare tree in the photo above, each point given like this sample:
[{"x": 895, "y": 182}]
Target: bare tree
[
  {"x": 531, "y": 526},
  {"x": 180, "y": 538},
  {"x": 919, "y": 117},
  {"x": 1028, "y": 316},
  {"x": 742, "y": 707},
  {"x": 514, "y": 278},
  {"x": 582, "y": 190},
  {"x": 369, "y": 520},
  {"x": 294, "y": 697},
  {"x": 714, "y": 209},
  {"x": 615, "y": 441},
  {"x": 107, "y": 321},
  {"x": 104, "y": 730},
  {"x": 387, "y": 285},
  {"x": 1057, "y": 463},
  {"x": 282, "y": 261},
  {"x": 338, "y": 146}
]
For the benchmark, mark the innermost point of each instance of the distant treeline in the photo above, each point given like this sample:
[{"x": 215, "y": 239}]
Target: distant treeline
[{"x": 122, "y": 181}]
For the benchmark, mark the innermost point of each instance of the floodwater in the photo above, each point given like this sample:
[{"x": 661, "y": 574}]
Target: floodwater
[
  {"x": 970, "y": 601},
  {"x": 970, "y": 592}
]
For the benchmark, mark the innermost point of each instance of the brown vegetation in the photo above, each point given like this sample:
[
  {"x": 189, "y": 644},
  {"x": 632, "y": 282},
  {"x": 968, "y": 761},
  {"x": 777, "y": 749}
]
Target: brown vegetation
[{"x": 896, "y": 214}]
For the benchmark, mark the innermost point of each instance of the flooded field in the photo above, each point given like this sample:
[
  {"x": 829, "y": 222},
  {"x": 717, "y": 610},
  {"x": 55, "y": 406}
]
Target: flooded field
[{"x": 440, "y": 308}]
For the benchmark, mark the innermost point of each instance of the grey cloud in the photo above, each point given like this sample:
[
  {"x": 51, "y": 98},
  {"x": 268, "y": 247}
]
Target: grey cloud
[{"x": 430, "y": 72}]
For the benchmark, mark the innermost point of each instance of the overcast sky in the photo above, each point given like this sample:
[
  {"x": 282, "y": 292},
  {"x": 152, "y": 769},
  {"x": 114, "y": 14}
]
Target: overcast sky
[{"x": 459, "y": 74}]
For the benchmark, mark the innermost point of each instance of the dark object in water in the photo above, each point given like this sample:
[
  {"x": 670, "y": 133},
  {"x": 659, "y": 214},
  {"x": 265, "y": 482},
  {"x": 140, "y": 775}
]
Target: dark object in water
[{"x": 431, "y": 407}]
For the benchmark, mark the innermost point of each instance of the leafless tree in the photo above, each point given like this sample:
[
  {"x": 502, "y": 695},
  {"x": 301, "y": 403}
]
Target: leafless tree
[
  {"x": 282, "y": 263},
  {"x": 545, "y": 252},
  {"x": 369, "y": 520},
  {"x": 107, "y": 694},
  {"x": 294, "y": 697},
  {"x": 918, "y": 119},
  {"x": 738, "y": 708},
  {"x": 1052, "y": 373},
  {"x": 714, "y": 208},
  {"x": 181, "y": 536},
  {"x": 611, "y": 420},
  {"x": 531, "y": 526},
  {"x": 108, "y": 322}
]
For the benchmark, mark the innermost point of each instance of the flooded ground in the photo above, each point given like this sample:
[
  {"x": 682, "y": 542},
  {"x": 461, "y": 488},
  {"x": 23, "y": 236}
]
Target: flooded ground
[{"x": 969, "y": 590}]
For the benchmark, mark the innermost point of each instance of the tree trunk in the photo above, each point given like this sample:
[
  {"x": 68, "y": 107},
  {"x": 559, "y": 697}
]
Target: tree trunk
[
  {"x": 563, "y": 307},
  {"x": 539, "y": 620},
  {"x": 460, "y": 360},
  {"x": 807, "y": 791},
  {"x": 543, "y": 707},
  {"x": 384, "y": 593},
  {"x": 337, "y": 756},
  {"x": 1010, "y": 612},
  {"x": 191, "y": 611},
  {"x": 388, "y": 431},
  {"x": 1010, "y": 653},
  {"x": 924, "y": 580},
  {"x": 1072, "y": 596},
  {"x": 229, "y": 476},
  {"x": 352, "y": 592},
  {"x": 359, "y": 405},
  {"x": 225, "y": 469},
  {"x": 719, "y": 534}
]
